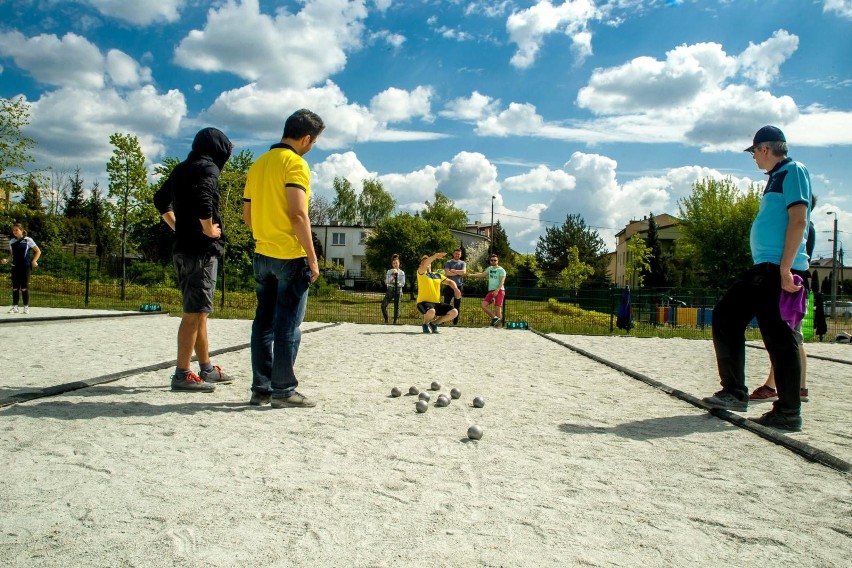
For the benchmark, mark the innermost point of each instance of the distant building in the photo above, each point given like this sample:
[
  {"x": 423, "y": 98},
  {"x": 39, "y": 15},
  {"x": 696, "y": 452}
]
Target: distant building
[{"x": 668, "y": 233}]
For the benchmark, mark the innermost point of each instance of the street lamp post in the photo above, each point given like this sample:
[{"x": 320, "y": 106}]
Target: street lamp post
[
  {"x": 834, "y": 267},
  {"x": 491, "y": 230}
]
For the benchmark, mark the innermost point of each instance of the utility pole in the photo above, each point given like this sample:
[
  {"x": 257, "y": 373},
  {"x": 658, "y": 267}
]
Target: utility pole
[
  {"x": 834, "y": 268},
  {"x": 491, "y": 230}
]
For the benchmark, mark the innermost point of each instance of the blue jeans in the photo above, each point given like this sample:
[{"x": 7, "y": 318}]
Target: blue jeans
[{"x": 282, "y": 295}]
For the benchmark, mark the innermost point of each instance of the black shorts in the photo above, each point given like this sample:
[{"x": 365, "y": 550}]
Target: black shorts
[
  {"x": 440, "y": 309},
  {"x": 196, "y": 275}
]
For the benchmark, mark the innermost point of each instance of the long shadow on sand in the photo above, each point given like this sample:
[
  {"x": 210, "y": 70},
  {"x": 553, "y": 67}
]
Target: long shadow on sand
[
  {"x": 188, "y": 404},
  {"x": 653, "y": 428}
]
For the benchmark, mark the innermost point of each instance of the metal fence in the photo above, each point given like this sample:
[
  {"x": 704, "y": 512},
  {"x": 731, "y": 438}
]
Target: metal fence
[{"x": 656, "y": 312}]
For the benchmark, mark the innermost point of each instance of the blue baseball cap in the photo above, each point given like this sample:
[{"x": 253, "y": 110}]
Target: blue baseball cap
[{"x": 766, "y": 134}]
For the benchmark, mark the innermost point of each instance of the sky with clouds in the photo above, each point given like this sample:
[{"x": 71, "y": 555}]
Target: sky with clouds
[{"x": 611, "y": 109}]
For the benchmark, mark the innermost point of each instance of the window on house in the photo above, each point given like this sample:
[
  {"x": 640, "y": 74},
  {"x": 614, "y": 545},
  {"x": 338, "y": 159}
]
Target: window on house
[
  {"x": 338, "y": 239},
  {"x": 363, "y": 238},
  {"x": 338, "y": 262}
]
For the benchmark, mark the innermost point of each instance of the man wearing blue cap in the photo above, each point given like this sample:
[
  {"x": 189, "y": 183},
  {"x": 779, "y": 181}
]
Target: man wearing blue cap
[{"x": 778, "y": 248}]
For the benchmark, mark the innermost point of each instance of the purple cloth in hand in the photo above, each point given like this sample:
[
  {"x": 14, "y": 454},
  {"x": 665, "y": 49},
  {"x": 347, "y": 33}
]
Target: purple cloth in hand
[{"x": 793, "y": 305}]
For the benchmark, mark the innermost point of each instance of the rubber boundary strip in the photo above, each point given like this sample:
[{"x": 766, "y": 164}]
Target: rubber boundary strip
[
  {"x": 820, "y": 357},
  {"x": 805, "y": 450},
  {"x": 112, "y": 377},
  {"x": 8, "y": 321}
]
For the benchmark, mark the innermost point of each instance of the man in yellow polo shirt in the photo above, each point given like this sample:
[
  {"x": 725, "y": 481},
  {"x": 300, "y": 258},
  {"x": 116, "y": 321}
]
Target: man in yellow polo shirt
[
  {"x": 275, "y": 207},
  {"x": 429, "y": 294}
]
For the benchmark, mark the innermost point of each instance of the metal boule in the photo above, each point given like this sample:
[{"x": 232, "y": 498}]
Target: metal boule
[
  {"x": 474, "y": 432},
  {"x": 422, "y": 406},
  {"x": 395, "y": 392},
  {"x": 413, "y": 390},
  {"x": 455, "y": 393},
  {"x": 478, "y": 402}
]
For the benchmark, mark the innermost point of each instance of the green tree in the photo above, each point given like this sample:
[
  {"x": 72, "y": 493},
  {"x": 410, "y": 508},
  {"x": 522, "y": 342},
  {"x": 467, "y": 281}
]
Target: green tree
[
  {"x": 31, "y": 198},
  {"x": 128, "y": 185},
  {"x": 637, "y": 265},
  {"x": 658, "y": 274},
  {"x": 576, "y": 272},
  {"x": 75, "y": 199},
  {"x": 14, "y": 146},
  {"x": 500, "y": 246},
  {"x": 319, "y": 210},
  {"x": 375, "y": 204},
  {"x": 551, "y": 251},
  {"x": 715, "y": 222},
  {"x": 525, "y": 271},
  {"x": 237, "y": 271},
  {"x": 410, "y": 237},
  {"x": 443, "y": 210},
  {"x": 344, "y": 208},
  {"x": 96, "y": 210}
]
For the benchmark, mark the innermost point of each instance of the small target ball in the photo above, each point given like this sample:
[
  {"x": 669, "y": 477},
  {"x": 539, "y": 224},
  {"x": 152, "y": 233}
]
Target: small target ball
[
  {"x": 436, "y": 386},
  {"x": 455, "y": 393},
  {"x": 422, "y": 406},
  {"x": 442, "y": 401},
  {"x": 474, "y": 432},
  {"x": 478, "y": 402},
  {"x": 425, "y": 396},
  {"x": 395, "y": 392},
  {"x": 413, "y": 390}
]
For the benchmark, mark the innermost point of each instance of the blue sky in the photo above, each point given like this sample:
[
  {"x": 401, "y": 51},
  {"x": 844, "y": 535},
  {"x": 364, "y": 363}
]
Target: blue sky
[{"x": 608, "y": 109}]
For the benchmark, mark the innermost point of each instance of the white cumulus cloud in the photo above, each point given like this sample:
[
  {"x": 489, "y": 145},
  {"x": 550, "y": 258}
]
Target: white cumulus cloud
[
  {"x": 528, "y": 28},
  {"x": 138, "y": 12},
  {"x": 398, "y": 105},
  {"x": 281, "y": 50}
]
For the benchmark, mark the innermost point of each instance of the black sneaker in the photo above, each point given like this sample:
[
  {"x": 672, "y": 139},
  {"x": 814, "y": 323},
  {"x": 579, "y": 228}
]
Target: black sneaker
[
  {"x": 773, "y": 419},
  {"x": 425, "y": 328},
  {"x": 191, "y": 382},
  {"x": 215, "y": 375},
  {"x": 260, "y": 398},
  {"x": 724, "y": 400},
  {"x": 433, "y": 327},
  {"x": 295, "y": 400}
]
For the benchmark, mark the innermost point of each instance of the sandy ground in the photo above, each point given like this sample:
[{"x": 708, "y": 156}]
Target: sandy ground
[{"x": 580, "y": 465}]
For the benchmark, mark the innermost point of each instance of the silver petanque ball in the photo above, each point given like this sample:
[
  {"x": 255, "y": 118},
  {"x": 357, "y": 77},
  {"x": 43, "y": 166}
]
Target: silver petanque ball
[
  {"x": 442, "y": 401},
  {"x": 478, "y": 402},
  {"x": 436, "y": 386},
  {"x": 425, "y": 396},
  {"x": 422, "y": 406},
  {"x": 395, "y": 392},
  {"x": 455, "y": 393},
  {"x": 413, "y": 390},
  {"x": 474, "y": 432}
]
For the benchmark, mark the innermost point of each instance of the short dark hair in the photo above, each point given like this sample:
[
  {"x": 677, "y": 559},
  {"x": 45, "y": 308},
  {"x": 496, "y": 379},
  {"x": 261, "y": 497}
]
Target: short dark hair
[
  {"x": 394, "y": 257},
  {"x": 301, "y": 123}
]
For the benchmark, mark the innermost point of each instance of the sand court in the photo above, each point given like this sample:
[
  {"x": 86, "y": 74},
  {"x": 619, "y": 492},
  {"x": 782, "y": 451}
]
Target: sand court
[{"x": 579, "y": 464}]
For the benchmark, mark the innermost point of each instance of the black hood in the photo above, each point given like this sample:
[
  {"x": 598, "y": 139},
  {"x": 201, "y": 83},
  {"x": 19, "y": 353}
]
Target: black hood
[{"x": 213, "y": 143}]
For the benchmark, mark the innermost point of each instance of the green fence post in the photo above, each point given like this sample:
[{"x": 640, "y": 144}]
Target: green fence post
[{"x": 88, "y": 274}]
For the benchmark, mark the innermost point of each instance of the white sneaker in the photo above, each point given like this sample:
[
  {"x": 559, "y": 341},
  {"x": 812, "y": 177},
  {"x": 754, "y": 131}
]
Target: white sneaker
[
  {"x": 26, "y": 309},
  {"x": 13, "y": 310}
]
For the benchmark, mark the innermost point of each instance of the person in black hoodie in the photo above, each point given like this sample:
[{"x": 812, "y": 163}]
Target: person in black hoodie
[{"x": 188, "y": 201}]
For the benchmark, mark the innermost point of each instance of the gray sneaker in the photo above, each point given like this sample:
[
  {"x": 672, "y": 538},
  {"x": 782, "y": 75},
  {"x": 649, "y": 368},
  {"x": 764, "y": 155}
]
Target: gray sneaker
[
  {"x": 773, "y": 419},
  {"x": 295, "y": 400},
  {"x": 191, "y": 383},
  {"x": 216, "y": 376},
  {"x": 724, "y": 400},
  {"x": 260, "y": 398}
]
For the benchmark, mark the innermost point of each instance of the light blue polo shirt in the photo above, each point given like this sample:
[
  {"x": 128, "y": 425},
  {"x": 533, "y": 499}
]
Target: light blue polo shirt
[{"x": 789, "y": 184}]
